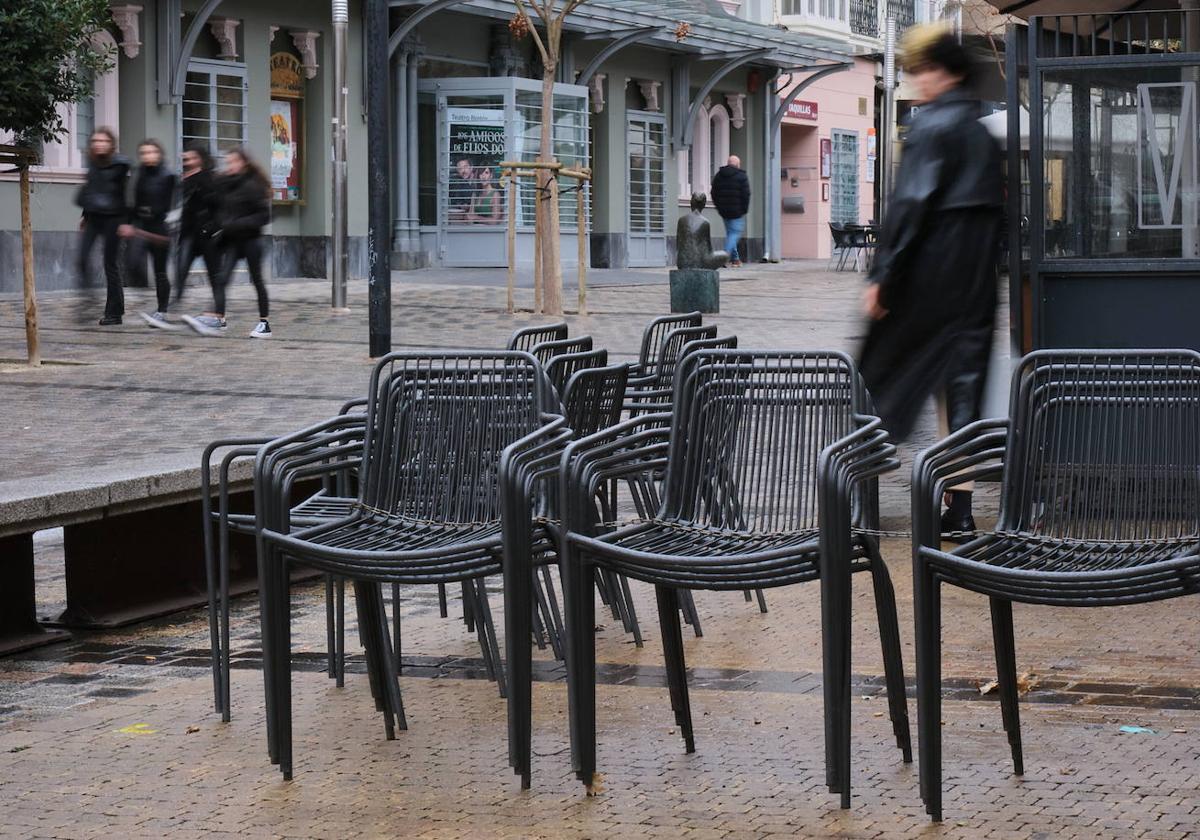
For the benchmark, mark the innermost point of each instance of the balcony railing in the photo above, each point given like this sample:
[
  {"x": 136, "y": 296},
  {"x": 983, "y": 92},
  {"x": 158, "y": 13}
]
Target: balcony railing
[{"x": 864, "y": 18}]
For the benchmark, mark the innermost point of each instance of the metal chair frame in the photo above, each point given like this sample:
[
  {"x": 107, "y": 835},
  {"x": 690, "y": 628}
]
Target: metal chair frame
[
  {"x": 525, "y": 338},
  {"x": 771, "y": 468},
  {"x": 1099, "y": 463},
  {"x": 430, "y": 508}
]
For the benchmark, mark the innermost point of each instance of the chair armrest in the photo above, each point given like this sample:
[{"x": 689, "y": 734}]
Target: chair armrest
[
  {"x": 634, "y": 446},
  {"x": 523, "y": 464},
  {"x": 973, "y": 452}
]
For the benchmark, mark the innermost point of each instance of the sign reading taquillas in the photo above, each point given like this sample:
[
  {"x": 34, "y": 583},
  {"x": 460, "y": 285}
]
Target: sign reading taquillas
[{"x": 801, "y": 109}]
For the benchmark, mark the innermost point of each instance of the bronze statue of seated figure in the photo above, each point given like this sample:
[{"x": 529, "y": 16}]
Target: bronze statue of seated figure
[{"x": 693, "y": 240}]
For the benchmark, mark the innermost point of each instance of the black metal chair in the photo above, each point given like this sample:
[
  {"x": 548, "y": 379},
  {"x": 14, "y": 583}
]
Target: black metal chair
[
  {"x": 1100, "y": 505},
  {"x": 562, "y": 367},
  {"x": 525, "y": 338},
  {"x": 546, "y": 351},
  {"x": 333, "y": 501},
  {"x": 429, "y": 508},
  {"x": 654, "y": 336},
  {"x": 771, "y": 466}
]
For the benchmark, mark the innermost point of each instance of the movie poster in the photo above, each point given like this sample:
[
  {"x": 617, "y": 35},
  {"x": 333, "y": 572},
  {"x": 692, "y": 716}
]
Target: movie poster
[
  {"x": 477, "y": 146},
  {"x": 285, "y": 149}
]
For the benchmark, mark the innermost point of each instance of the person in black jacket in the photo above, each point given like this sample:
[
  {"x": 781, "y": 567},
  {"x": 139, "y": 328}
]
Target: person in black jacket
[
  {"x": 245, "y": 210},
  {"x": 153, "y": 197},
  {"x": 198, "y": 213},
  {"x": 102, "y": 199},
  {"x": 931, "y": 296},
  {"x": 731, "y": 197}
]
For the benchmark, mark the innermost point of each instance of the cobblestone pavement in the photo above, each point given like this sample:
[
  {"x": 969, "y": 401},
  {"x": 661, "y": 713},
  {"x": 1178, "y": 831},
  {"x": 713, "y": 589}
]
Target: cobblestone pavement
[{"x": 114, "y": 732}]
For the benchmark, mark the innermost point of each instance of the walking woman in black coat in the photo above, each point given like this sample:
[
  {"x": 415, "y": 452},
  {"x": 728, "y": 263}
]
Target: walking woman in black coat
[
  {"x": 153, "y": 198},
  {"x": 198, "y": 212},
  {"x": 932, "y": 292},
  {"x": 102, "y": 199},
  {"x": 245, "y": 209}
]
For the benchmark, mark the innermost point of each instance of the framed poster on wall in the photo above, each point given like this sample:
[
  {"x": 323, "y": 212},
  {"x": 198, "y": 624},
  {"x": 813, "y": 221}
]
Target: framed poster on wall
[
  {"x": 826, "y": 157},
  {"x": 287, "y": 130}
]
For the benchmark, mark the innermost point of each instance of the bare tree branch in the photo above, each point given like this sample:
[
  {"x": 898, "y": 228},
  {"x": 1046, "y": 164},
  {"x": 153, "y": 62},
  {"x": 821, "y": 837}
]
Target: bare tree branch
[{"x": 537, "y": 38}]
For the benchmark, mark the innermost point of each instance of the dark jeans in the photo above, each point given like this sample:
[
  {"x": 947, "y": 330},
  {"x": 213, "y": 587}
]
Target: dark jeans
[
  {"x": 159, "y": 252},
  {"x": 103, "y": 228},
  {"x": 191, "y": 246},
  {"x": 249, "y": 249}
]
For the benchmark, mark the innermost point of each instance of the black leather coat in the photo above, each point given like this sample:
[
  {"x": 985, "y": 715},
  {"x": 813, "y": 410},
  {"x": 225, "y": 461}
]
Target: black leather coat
[
  {"x": 936, "y": 269},
  {"x": 153, "y": 195},
  {"x": 201, "y": 204},
  {"x": 731, "y": 192},
  {"x": 103, "y": 191},
  {"x": 245, "y": 205}
]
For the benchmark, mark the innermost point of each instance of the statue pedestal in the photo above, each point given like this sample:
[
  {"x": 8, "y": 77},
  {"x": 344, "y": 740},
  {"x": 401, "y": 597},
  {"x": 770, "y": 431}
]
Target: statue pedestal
[{"x": 695, "y": 290}]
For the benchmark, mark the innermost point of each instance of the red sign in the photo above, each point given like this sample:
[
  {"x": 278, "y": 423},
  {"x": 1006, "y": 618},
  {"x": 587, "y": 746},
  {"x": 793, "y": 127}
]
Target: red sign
[{"x": 802, "y": 110}]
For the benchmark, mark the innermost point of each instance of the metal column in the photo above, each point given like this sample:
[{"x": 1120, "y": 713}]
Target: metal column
[
  {"x": 341, "y": 111},
  {"x": 378, "y": 238},
  {"x": 399, "y": 103}
]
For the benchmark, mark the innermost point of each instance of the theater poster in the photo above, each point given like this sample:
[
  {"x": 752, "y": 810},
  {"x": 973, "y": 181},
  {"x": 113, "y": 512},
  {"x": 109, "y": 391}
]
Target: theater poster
[{"x": 287, "y": 129}]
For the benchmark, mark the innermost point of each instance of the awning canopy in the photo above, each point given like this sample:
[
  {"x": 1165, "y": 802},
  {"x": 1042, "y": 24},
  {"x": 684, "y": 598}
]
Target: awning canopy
[
  {"x": 1028, "y": 8},
  {"x": 713, "y": 32}
]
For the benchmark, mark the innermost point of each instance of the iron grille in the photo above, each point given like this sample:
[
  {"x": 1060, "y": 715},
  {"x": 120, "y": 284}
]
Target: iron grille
[{"x": 864, "y": 18}]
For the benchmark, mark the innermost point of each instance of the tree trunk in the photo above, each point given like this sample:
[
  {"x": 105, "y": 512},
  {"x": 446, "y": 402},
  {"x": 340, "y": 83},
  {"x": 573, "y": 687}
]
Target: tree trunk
[
  {"x": 31, "y": 325},
  {"x": 549, "y": 245}
]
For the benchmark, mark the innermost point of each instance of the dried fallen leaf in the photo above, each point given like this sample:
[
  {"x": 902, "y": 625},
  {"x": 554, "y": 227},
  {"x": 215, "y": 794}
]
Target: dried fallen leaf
[
  {"x": 878, "y": 714},
  {"x": 988, "y": 687},
  {"x": 151, "y": 658},
  {"x": 597, "y": 785},
  {"x": 1067, "y": 771},
  {"x": 1027, "y": 682},
  {"x": 192, "y": 729}
]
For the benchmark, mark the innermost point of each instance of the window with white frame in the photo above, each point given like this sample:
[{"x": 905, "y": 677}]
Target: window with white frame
[
  {"x": 214, "y": 106},
  {"x": 709, "y": 151},
  {"x": 66, "y": 157}
]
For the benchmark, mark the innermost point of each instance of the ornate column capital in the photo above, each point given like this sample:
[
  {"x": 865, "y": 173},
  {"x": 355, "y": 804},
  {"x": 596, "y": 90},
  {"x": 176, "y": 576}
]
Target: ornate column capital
[
  {"x": 596, "y": 87},
  {"x": 126, "y": 18},
  {"x": 225, "y": 31},
  {"x": 737, "y": 108},
  {"x": 649, "y": 89},
  {"x": 306, "y": 44}
]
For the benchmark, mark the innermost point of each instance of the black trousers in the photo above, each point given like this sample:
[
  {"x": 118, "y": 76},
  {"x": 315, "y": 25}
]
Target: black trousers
[
  {"x": 159, "y": 254},
  {"x": 250, "y": 249},
  {"x": 103, "y": 228},
  {"x": 193, "y": 244}
]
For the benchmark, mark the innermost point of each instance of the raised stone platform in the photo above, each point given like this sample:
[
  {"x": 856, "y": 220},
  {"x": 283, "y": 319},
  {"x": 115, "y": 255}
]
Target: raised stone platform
[{"x": 695, "y": 290}]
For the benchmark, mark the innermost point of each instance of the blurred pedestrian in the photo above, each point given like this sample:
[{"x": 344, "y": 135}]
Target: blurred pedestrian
[
  {"x": 931, "y": 296},
  {"x": 102, "y": 200},
  {"x": 245, "y": 209},
  {"x": 198, "y": 218},
  {"x": 153, "y": 197},
  {"x": 731, "y": 197}
]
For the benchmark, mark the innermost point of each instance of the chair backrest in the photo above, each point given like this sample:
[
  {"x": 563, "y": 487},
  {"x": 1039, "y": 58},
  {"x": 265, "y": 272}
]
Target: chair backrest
[
  {"x": 656, "y": 333},
  {"x": 1105, "y": 445},
  {"x": 560, "y": 369},
  {"x": 593, "y": 397},
  {"x": 525, "y": 338},
  {"x": 436, "y": 426},
  {"x": 546, "y": 351},
  {"x": 747, "y": 431},
  {"x": 672, "y": 349}
]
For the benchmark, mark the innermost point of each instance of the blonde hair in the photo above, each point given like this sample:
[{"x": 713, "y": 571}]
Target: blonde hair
[{"x": 918, "y": 43}]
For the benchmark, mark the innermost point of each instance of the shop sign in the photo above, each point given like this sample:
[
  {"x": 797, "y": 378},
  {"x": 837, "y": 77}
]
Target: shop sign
[
  {"x": 826, "y": 157},
  {"x": 801, "y": 109},
  {"x": 287, "y": 129}
]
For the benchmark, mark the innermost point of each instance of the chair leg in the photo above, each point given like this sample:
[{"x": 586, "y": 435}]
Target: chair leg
[
  {"x": 368, "y": 632},
  {"x": 266, "y": 601},
  {"x": 762, "y": 600},
  {"x": 341, "y": 633},
  {"x": 468, "y": 598},
  {"x": 688, "y": 605},
  {"x": 668, "y": 622},
  {"x": 484, "y": 618},
  {"x": 390, "y": 659},
  {"x": 223, "y": 583},
  {"x": 929, "y": 693},
  {"x": 443, "y": 608},
  {"x": 555, "y": 626},
  {"x": 214, "y": 632},
  {"x": 396, "y": 624},
  {"x": 893, "y": 662},
  {"x": 330, "y": 629},
  {"x": 283, "y": 659},
  {"x": 580, "y": 603},
  {"x": 1006, "y": 670},
  {"x": 631, "y": 612},
  {"x": 520, "y": 611}
]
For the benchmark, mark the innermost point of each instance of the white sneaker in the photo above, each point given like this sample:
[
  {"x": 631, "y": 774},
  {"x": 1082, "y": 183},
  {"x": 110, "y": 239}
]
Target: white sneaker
[
  {"x": 261, "y": 330},
  {"x": 159, "y": 320},
  {"x": 206, "y": 324}
]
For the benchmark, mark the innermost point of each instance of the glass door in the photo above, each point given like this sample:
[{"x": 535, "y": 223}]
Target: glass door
[
  {"x": 844, "y": 181},
  {"x": 646, "y": 148}
]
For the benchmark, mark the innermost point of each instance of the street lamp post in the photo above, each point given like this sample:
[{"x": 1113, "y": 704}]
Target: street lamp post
[{"x": 341, "y": 108}]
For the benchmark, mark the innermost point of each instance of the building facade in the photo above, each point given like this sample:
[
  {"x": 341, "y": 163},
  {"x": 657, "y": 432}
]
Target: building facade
[{"x": 652, "y": 97}]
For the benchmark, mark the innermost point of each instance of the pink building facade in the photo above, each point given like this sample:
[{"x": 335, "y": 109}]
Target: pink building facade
[{"x": 829, "y": 160}]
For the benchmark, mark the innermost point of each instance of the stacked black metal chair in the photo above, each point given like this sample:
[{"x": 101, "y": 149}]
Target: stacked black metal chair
[
  {"x": 771, "y": 466},
  {"x": 525, "y": 338},
  {"x": 445, "y": 433},
  {"x": 1099, "y": 463},
  {"x": 332, "y": 501}
]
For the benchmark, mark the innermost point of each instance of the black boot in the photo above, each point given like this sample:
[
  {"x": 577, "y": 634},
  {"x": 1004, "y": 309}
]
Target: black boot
[{"x": 957, "y": 517}]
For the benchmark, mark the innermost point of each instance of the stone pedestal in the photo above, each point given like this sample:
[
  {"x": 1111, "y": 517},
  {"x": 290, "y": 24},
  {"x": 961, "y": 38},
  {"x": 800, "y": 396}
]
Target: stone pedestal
[{"x": 695, "y": 290}]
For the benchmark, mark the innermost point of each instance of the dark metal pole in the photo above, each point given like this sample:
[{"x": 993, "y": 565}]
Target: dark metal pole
[{"x": 379, "y": 218}]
